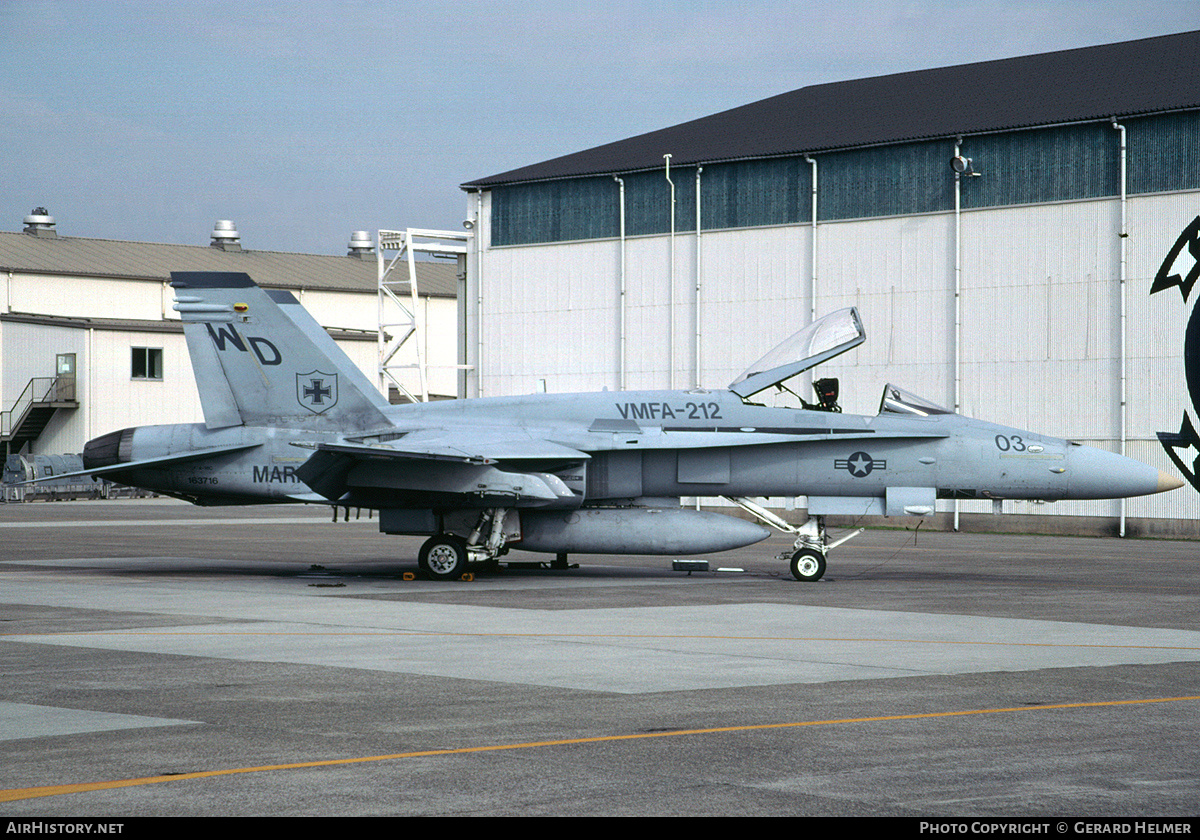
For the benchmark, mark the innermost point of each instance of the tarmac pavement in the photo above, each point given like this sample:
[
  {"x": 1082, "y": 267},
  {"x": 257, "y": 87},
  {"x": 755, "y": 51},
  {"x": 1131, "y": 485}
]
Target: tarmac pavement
[{"x": 161, "y": 659}]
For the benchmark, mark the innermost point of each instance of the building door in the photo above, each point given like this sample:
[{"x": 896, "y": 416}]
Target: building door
[{"x": 64, "y": 388}]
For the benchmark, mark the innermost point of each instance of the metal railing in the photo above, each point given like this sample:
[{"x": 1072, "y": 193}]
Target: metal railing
[{"x": 41, "y": 389}]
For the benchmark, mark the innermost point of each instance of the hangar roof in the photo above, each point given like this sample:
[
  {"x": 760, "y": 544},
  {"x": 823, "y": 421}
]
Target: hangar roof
[
  {"x": 1150, "y": 75},
  {"x": 82, "y": 257}
]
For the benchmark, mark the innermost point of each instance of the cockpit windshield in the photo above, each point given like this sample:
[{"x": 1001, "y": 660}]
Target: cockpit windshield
[
  {"x": 898, "y": 401},
  {"x": 818, "y": 342}
]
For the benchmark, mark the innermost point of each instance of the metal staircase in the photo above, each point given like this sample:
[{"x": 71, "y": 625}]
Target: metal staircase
[{"x": 42, "y": 397}]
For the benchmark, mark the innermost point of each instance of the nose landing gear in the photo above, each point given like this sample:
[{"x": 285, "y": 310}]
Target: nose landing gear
[
  {"x": 808, "y": 565},
  {"x": 811, "y": 546}
]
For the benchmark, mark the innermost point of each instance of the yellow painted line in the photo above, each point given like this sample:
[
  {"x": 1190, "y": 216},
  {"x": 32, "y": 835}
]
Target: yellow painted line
[
  {"x": 15, "y": 794},
  {"x": 551, "y": 636}
]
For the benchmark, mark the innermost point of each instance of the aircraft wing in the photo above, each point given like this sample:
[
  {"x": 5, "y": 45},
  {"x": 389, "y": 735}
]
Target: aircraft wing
[
  {"x": 447, "y": 468},
  {"x": 473, "y": 452}
]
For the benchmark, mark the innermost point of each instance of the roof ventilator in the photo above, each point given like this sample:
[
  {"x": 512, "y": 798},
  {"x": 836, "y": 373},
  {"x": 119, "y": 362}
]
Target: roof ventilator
[
  {"x": 40, "y": 223},
  {"x": 361, "y": 245},
  {"x": 225, "y": 236}
]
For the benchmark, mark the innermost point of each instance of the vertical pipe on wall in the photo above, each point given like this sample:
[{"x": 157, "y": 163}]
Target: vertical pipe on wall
[
  {"x": 812, "y": 277},
  {"x": 671, "y": 291},
  {"x": 957, "y": 292},
  {"x": 1123, "y": 238},
  {"x": 699, "y": 289},
  {"x": 812, "y": 282},
  {"x": 460, "y": 352},
  {"x": 621, "y": 295},
  {"x": 479, "y": 294},
  {"x": 90, "y": 393},
  {"x": 699, "y": 283}
]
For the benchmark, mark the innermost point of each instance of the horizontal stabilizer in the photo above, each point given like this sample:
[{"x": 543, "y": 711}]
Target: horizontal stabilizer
[{"x": 125, "y": 466}]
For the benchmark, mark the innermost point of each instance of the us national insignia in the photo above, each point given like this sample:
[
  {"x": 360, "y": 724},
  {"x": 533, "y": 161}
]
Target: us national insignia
[
  {"x": 316, "y": 391},
  {"x": 859, "y": 465}
]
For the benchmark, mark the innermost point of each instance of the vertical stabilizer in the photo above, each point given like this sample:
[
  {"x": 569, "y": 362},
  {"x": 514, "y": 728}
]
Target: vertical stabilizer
[
  {"x": 261, "y": 359},
  {"x": 220, "y": 408}
]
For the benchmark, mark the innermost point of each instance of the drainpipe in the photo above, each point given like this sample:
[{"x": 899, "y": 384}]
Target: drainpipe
[
  {"x": 479, "y": 294},
  {"x": 463, "y": 351},
  {"x": 699, "y": 281},
  {"x": 957, "y": 293},
  {"x": 812, "y": 286},
  {"x": 1123, "y": 237},
  {"x": 89, "y": 394},
  {"x": 671, "y": 291},
  {"x": 621, "y": 301}
]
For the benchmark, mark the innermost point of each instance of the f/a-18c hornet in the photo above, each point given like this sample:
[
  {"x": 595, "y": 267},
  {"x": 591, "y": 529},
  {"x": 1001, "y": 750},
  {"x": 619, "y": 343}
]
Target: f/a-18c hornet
[{"x": 289, "y": 418}]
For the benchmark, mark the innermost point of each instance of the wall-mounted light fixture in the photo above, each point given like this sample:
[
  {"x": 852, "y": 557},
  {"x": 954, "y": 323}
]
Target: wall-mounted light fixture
[{"x": 963, "y": 166}]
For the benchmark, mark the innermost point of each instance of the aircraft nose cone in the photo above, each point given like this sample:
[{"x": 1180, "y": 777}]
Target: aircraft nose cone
[
  {"x": 1097, "y": 474},
  {"x": 1166, "y": 482}
]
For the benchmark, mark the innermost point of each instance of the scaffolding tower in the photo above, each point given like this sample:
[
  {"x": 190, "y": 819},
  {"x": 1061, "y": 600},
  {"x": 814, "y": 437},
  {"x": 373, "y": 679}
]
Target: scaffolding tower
[{"x": 399, "y": 324}]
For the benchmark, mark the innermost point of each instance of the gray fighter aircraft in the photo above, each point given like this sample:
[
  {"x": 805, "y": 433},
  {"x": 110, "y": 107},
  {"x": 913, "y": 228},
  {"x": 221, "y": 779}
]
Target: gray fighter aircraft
[{"x": 288, "y": 418}]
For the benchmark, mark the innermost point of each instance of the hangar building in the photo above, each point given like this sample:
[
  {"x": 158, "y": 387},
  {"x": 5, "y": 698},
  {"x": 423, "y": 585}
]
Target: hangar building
[
  {"x": 89, "y": 342},
  {"x": 999, "y": 226}
]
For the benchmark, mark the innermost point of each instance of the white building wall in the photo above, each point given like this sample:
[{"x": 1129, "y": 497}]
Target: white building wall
[
  {"x": 108, "y": 395},
  {"x": 554, "y": 319},
  {"x": 90, "y": 297},
  {"x": 110, "y": 398},
  {"x": 1040, "y": 318}
]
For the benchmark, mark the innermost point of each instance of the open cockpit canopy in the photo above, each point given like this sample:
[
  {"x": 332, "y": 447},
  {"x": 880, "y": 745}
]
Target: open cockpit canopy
[
  {"x": 898, "y": 401},
  {"x": 820, "y": 341}
]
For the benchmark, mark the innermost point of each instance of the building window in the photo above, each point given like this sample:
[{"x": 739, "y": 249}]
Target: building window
[{"x": 147, "y": 363}]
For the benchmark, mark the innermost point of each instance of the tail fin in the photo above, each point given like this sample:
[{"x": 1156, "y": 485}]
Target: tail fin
[{"x": 261, "y": 359}]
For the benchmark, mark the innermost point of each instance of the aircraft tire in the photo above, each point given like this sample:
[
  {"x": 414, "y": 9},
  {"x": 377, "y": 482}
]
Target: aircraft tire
[
  {"x": 808, "y": 565},
  {"x": 443, "y": 557}
]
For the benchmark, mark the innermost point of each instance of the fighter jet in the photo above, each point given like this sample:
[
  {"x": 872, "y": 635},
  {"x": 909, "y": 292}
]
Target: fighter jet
[{"x": 289, "y": 418}]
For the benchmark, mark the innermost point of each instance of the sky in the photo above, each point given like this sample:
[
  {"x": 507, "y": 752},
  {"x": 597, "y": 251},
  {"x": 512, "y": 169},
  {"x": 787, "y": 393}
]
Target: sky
[{"x": 303, "y": 121}]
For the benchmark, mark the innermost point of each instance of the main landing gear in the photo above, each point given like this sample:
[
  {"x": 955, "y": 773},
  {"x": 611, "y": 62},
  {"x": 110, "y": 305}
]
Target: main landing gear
[
  {"x": 446, "y": 556},
  {"x": 811, "y": 546},
  {"x": 443, "y": 557}
]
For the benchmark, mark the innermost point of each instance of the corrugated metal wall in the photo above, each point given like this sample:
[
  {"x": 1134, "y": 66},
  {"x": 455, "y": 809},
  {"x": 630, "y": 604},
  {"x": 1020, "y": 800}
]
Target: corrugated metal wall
[
  {"x": 1059, "y": 163},
  {"x": 1040, "y": 314}
]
